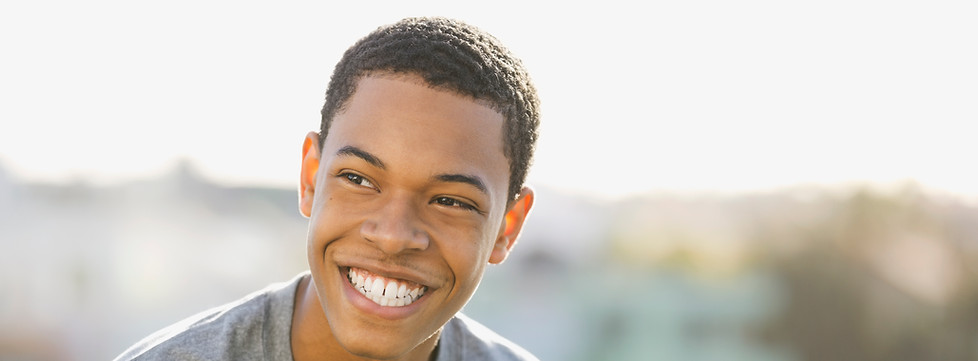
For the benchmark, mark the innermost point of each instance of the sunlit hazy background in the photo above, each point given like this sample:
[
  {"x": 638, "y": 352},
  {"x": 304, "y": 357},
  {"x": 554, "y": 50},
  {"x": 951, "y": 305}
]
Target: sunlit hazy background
[{"x": 717, "y": 180}]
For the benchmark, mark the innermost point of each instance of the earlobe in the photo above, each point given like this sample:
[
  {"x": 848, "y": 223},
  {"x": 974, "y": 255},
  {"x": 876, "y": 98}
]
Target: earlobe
[
  {"x": 513, "y": 223},
  {"x": 307, "y": 175}
]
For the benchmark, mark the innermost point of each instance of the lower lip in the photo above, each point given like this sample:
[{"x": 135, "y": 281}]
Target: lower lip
[{"x": 364, "y": 304}]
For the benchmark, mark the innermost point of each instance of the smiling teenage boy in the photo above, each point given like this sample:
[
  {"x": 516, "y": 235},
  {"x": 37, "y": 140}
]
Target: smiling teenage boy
[{"x": 412, "y": 186}]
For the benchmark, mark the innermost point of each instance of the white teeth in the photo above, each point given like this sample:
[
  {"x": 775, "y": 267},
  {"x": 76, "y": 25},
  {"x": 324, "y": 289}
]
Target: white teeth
[
  {"x": 377, "y": 287},
  {"x": 384, "y": 291}
]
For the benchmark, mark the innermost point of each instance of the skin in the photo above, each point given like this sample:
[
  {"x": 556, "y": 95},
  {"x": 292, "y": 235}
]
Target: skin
[{"x": 410, "y": 184}]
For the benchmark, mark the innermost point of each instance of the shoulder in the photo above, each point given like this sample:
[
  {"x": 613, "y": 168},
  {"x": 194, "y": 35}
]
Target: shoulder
[
  {"x": 251, "y": 327},
  {"x": 465, "y": 338}
]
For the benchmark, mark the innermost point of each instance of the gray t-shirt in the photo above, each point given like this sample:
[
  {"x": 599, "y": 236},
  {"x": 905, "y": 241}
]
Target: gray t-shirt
[{"x": 258, "y": 327}]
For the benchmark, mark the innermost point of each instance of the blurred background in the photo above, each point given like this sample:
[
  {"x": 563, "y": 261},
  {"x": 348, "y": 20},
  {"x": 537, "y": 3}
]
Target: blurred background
[{"x": 754, "y": 180}]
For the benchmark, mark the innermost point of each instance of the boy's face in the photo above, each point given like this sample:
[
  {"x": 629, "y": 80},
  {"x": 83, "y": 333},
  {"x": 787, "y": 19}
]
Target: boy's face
[{"x": 410, "y": 192}]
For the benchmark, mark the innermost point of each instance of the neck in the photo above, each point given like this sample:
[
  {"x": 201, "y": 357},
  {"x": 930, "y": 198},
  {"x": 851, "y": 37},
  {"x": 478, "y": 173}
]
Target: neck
[{"x": 312, "y": 338}]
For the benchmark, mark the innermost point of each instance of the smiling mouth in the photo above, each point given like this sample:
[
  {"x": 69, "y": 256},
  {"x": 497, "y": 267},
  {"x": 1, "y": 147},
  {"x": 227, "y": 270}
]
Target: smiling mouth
[{"x": 387, "y": 292}]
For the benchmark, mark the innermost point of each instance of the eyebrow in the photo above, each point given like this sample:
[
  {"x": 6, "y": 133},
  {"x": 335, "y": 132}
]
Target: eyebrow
[
  {"x": 362, "y": 154},
  {"x": 462, "y": 178}
]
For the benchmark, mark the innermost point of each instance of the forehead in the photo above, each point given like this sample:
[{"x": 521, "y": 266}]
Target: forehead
[{"x": 413, "y": 126}]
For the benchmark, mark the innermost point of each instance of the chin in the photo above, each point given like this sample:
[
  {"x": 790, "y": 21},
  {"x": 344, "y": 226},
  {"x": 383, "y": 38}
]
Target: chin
[{"x": 372, "y": 340}]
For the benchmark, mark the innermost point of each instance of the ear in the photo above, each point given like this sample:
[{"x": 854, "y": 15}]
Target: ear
[
  {"x": 509, "y": 231},
  {"x": 307, "y": 175}
]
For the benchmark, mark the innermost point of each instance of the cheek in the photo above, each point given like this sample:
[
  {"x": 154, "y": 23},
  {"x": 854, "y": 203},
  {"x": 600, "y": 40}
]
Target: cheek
[
  {"x": 466, "y": 253},
  {"x": 328, "y": 221}
]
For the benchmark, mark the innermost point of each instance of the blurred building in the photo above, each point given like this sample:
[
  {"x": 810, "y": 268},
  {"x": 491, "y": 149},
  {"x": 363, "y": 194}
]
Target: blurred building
[{"x": 796, "y": 274}]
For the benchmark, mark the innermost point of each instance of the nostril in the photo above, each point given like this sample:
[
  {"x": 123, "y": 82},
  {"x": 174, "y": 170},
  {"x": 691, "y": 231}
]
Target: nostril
[
  {"x": 393, "y": 237},
  {"x": 420, "y": 240}
]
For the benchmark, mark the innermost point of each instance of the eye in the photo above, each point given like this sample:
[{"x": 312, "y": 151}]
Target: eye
[
  {"x": 357, "y": 179},
  {"x": 455, "y": 203}
]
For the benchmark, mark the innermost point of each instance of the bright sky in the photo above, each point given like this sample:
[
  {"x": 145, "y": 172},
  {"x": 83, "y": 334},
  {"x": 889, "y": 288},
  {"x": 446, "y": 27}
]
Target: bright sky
[{"x": 670, "y": 96}]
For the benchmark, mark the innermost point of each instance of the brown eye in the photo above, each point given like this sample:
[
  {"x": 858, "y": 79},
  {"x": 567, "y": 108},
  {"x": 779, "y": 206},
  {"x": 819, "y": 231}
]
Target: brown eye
[
  {"x": 357, "y": 179},
  {"x": 452, "y": 202}
]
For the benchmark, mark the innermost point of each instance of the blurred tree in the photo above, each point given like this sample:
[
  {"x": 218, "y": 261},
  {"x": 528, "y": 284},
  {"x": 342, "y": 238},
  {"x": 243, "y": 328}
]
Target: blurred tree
[{"x": 863, "y": 286}]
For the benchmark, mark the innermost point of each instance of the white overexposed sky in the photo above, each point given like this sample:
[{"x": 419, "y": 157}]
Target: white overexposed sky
[{"x": 663, "y": 96}]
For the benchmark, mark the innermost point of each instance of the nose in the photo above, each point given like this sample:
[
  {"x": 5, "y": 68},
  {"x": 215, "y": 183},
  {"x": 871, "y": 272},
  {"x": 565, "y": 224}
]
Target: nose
[{"x": 395, "y": 228}]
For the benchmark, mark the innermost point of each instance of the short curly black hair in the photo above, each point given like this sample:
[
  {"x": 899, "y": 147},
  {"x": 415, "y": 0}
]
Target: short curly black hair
[{"x": 452, "y": 55}]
